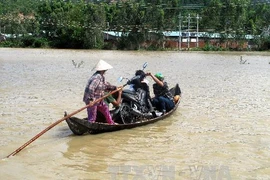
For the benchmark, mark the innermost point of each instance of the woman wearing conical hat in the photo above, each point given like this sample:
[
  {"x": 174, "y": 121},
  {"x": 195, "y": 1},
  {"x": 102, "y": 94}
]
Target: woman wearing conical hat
[{"x": 94, "y": 89}]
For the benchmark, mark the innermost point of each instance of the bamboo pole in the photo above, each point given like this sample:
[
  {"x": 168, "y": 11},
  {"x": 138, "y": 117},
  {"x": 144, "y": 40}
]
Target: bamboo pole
[{"x": 60, "y": 120}]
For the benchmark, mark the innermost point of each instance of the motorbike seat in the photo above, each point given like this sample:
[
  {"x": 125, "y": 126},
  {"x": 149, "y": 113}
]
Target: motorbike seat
[{"x": 129, "y": 91}]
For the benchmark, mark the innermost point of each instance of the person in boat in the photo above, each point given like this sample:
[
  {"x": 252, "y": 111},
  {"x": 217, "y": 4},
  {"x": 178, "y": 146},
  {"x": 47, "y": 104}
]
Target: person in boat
[
  {"x": 163, "y": 99},
  {"x": 142, "y": 83},
  {"x": 95, "y": 89},
  {"x": 115, "y": 101}
]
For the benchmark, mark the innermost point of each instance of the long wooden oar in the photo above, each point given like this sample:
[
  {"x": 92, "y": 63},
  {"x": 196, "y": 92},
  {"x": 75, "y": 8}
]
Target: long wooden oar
[{"x": 60, "y": 120}]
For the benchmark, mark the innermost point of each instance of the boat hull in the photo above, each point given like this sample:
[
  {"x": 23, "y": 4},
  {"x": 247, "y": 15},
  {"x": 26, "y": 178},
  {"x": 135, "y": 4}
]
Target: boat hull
[{"x": 81, "y": 126}]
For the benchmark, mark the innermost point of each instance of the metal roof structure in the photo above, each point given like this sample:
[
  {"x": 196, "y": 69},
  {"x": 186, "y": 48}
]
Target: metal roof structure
[
  {"x": 182, "y": 34},
  {"x": 260, "y": 1}
]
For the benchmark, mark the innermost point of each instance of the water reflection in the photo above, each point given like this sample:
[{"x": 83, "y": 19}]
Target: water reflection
[{"x": 107, "y": 149}]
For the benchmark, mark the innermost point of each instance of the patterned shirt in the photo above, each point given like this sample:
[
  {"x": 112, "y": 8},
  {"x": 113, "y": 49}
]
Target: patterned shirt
[
  {"x": 162, "y": 90},
  {"x": 95, "y": 87}
]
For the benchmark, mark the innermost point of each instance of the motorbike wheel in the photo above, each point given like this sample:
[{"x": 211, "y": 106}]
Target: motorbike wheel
[{"x": 125, "y": 113}]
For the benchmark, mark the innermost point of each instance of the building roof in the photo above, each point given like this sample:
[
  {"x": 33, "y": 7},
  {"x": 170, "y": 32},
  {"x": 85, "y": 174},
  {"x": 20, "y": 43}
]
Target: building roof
[
  {"x": 183, "y": 34},
  {"x": 261, "y": 1}
]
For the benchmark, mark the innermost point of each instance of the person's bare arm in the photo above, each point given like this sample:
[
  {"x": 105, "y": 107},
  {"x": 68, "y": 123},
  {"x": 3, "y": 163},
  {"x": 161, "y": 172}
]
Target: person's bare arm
[
  {"x": 155, "y": 79},
  {"x": 117, "y": 102}
]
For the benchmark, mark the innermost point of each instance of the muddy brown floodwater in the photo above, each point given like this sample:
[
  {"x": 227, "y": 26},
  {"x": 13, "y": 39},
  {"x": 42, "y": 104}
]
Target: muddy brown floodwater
[{"x": 220, "y": 130}]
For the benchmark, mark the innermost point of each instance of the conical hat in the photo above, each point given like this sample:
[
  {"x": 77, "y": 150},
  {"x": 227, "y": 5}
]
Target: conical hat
[{"x": 102, "y": 66}]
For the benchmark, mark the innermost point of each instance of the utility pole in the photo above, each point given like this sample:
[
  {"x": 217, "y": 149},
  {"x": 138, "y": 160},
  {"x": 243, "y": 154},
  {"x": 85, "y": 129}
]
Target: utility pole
[
  {"x": 188, "y": 38},
  {"x": 180, "y": 33},
  {"x": 197, "y": 40},
  {"x": 191, "y": 27}
]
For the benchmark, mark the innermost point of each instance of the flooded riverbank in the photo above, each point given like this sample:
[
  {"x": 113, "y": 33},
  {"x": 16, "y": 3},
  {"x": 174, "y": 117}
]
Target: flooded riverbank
[{"x": 219, "y": 130}]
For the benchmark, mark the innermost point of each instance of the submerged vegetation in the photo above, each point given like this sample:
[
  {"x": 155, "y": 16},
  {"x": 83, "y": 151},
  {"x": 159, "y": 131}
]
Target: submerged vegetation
[{"x": 81, "y": 24}]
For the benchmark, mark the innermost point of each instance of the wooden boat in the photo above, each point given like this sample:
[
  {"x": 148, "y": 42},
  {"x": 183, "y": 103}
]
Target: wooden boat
[{"x": 81, "y": 126}]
